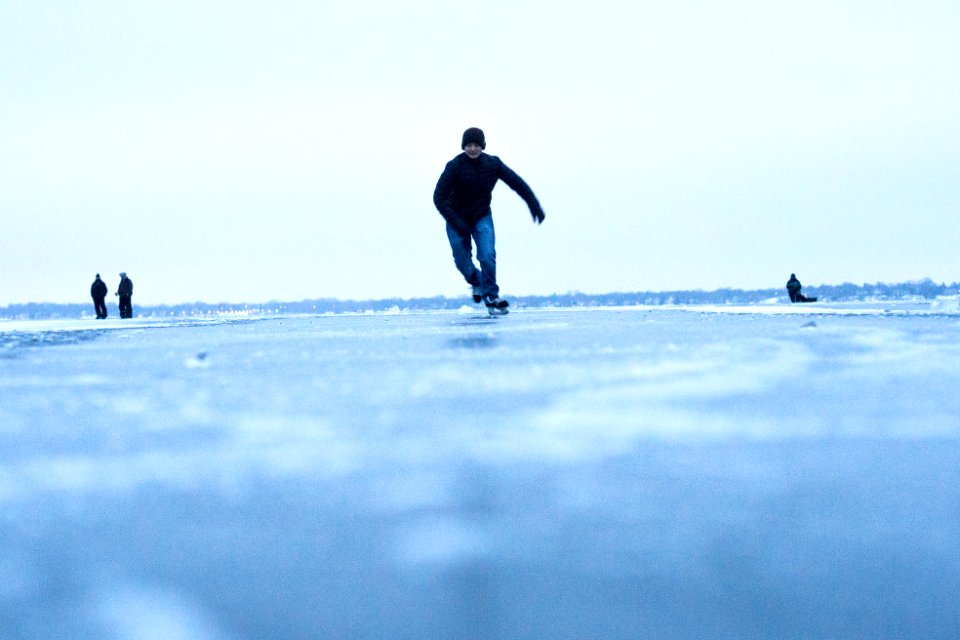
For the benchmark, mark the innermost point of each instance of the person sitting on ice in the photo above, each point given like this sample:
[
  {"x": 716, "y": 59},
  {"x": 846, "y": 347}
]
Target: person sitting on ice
[{"x": 793, "y": 289}]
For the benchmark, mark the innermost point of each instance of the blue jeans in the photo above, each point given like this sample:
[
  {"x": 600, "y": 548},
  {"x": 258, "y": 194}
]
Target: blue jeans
[{"x": 485, "y": 239}]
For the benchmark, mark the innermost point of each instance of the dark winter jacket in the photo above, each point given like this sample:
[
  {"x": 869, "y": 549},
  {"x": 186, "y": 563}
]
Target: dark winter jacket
[
  {"x": 126, "y": 287},
  {"x": 465, "y": 188},
  {"x": 793, "y": 286},
  {"x": 98, "y": 289}
]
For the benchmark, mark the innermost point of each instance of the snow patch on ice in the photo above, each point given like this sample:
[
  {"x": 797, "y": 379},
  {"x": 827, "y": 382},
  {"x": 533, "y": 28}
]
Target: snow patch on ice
[
  {"x": 659, "y": 400},
  {"x": 291, "y": 445},
  {"x": 259, "y": 445},
  {"x": 946, "y": 303},
  {"x": 142, "y": 613},
  {"x": 441, "y": 539},
  {"x": 412, "y": 490},
  {"x": 70, "y": 325}
]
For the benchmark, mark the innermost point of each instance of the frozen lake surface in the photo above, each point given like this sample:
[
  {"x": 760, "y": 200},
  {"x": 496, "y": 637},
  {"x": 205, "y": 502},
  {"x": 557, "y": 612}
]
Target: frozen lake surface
[{"x": 758, "y": 472}]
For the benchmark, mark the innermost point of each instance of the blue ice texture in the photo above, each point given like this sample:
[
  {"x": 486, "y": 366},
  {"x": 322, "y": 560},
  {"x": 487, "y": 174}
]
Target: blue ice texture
[{"x": 555, "y": 474}]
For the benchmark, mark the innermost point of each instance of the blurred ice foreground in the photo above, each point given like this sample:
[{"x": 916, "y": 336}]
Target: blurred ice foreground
[{"x": 554, "y": 474}]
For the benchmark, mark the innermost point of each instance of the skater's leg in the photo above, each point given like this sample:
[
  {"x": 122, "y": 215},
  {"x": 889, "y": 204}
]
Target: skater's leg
[
  {"x": 485, "y": 237},
  {"x": 463, "y": 256}
]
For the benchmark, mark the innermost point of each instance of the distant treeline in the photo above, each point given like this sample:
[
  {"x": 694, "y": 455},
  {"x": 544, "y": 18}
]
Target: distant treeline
[{"x": 846, "y": 292}]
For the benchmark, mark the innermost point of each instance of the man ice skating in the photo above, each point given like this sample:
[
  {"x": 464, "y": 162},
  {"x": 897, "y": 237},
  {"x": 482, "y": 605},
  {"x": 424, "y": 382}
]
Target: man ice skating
[
  {"x": 463, "y": 197},
  {"x": 125, "y": 291},
  {"x": 98, "y": 291}
]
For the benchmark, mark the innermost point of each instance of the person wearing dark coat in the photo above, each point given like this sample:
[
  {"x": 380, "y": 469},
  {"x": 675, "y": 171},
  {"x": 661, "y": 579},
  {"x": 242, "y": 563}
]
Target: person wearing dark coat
[
  {"x": 462, "y": 196},
  {"x": 98, "y": 291},
  {"x": 125, "y": 291},
  {"x": 793, "y": 290}
]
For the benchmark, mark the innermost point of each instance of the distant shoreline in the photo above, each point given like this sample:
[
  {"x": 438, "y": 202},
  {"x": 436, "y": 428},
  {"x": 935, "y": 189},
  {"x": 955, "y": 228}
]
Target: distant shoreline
[{"x": 846, "y": 292}]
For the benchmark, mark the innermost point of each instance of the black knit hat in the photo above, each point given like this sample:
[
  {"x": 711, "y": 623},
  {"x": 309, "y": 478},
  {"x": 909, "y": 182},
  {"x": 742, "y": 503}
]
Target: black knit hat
[{"x": 475, "y": 136}]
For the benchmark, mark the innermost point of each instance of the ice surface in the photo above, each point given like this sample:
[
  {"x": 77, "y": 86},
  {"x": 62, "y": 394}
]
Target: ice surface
[{"x": 711, "y": 472}]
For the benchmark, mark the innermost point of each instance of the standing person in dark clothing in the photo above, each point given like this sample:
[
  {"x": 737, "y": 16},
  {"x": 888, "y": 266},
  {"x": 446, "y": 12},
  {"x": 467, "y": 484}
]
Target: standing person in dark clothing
[
  {"x": 793, "y": 290},
  {"x": 463, "y": 197},
  {"x": 125, "y": 291},
  {"x": 98, "y": 291}
]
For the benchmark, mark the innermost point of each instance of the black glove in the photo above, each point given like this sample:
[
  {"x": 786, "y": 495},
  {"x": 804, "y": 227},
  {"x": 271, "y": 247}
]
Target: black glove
[{"x": 537, "y": 215}]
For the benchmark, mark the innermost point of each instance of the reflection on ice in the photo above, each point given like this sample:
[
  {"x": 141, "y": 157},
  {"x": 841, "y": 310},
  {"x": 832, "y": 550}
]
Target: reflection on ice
[
  {"x": 474, "y": 341},
  {"x": 694, "y": 473}
]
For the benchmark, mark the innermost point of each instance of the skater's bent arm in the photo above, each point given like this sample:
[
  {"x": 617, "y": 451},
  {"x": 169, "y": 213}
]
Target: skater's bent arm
[
  {"x": 443, "y": 201},
  {"x": 443, "y": 195}
]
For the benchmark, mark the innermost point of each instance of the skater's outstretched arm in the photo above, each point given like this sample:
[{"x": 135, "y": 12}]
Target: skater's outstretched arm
[{"x": 515, "y": 182}]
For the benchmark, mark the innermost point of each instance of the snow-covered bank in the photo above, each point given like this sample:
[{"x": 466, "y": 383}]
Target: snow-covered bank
[
  {"x": 112, "y": 324},
  {"x": 643, "y": 472}
]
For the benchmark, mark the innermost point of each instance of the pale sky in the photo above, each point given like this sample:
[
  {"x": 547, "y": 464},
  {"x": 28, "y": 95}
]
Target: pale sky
[{"x": 270, "y": 150}]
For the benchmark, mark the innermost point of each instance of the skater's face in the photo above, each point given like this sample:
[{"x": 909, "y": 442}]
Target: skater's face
[{"x": 473, "y": 150}]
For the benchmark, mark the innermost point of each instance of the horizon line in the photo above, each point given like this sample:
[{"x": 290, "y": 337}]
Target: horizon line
[{"x": 765, "y": 290}]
